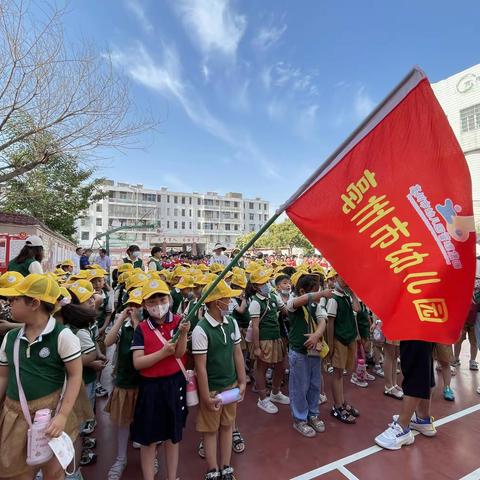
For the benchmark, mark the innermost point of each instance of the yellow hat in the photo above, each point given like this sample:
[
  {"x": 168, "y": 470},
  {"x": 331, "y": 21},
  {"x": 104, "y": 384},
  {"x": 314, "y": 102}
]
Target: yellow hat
[
  {"x": 179, "y": 271},
  {"x": 153, "y": 274},
  {"x": 252, "y": 267},
  {"x": 239, "y": 279},
  {"x": 93, "y": 266},
  {"x": 167, "y": 274},
  {"x": 154, "y": 286},
  {"x": 9, "y": 279},
  {"x": 81, "y": 275},
  {"x": 296, "y": 277},
  {"x": 136, "y": 280},
  {"x": 135, "y": 296},
  {"x": 124, "y": 267},
  {"x": 185, "y": 282},
  {"x": 202, "y": 267},
  {"x": 96, "y": 273},
  {"x": 65, "y": 293},
  {"x": 35, "y": 285},
  {"x": 332, "y": 273},
  {"x": 260, "y": 276},
  {"x": 200, "y": 280},
  {"x": 222, "y": 290},
  {"x": 67, "y": 263},
  {"x": 59, "y": 272},
  {"x": 82, "y": 289},
  {"x": 216, "y": 268}
]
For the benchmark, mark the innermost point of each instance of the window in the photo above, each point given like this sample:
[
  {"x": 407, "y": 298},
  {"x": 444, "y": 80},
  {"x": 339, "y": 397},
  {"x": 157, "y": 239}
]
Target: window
[
  {"x": 251, "y": 205},
  {"x": 236, "y": 228},
  {"x": 183, "y": 212},
  {"x": 235, "y": 215},
  {"x": 265, "y": 218},
  {"x": 227, "y": 203},
  {"x": 168, "y": 198},
  {"x": 252, "y": 227},
  {"x": 217, "y": 202},
  {"x": 175, "y": 225},
  {"x": 183, "y": 200},
  {"x": 259, "y": 217},
  {"x": 227, "y": 226},
  {"x": 123, "y": 195},
  {"x": 199, "y": 213},
  {"x": 190, "y": 200},
  {"x": 99, "y": 207},
  {"x": 190, "y": 223},
  {"x": 111, "y": 194},
  {"x": 83, "y": 222},
  {"x": 470, "y": 118},
  {"x": 168, "y": 211},
  {"x": 175, "y": 199},
  {"x": 148, "y": 197},
  {"x": 252, "y": 216},
  {"x": 199, "y": 226},
  {"x": 85, "y": 235},
  {"x": 144, "y": 237},
  {"x": 264, "y": 206},
  {"x": 235, "y": 204},
  {"x": 168, "y": 223},
  {"x": 175, "y": 212},
  {"x": 199, "y": 201},
  {"x": 183, "y": 225},
  {"x": 190, "y": 212},
  {"x": 159, "y": 198},
  {"x": 99, "y": 222}
]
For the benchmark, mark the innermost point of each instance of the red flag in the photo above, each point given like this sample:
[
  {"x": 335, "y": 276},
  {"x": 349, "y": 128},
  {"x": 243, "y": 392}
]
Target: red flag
[{"x": 392, "y": 211}]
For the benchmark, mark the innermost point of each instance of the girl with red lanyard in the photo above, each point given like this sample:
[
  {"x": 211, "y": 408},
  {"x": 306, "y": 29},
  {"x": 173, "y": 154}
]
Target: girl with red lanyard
[{"x": 161, "y": 407}]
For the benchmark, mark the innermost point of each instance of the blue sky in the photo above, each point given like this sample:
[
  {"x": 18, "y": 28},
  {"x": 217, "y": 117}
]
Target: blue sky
[{"x": 251, "y": 96}]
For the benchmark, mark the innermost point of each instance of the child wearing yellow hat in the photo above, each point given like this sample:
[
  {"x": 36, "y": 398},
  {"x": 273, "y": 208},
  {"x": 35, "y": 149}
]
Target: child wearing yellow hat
[
  {"x": 161, "y": 408},
  {"x": 268, "y": 346},
  {"x": 48, "y": 354},
  {"x": 219, "y": 366},
  {"x": 121, "y": 403},
  {"x": 8, "y": 279},
  {"x": 182, "y": 294}
]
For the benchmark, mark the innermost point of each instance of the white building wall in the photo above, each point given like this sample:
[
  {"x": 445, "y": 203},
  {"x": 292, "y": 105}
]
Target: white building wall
[{"x": 455, "y": 94}]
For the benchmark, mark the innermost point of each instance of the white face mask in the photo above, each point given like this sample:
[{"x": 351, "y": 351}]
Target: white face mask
[
  {"x": 135, "y": 254},
  {"x": 287, "y": 291},
  {"x": 264, "y": 290},
  {"x": 64, "y": 450},
  {"x": 158, "y": 311}
]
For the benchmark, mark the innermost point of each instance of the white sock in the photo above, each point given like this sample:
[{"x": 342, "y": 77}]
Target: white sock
[{"x": 122, "y": 442}]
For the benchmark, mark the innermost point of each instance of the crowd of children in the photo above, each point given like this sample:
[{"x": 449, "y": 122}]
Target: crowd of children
[{"x": 268, "y": 325}]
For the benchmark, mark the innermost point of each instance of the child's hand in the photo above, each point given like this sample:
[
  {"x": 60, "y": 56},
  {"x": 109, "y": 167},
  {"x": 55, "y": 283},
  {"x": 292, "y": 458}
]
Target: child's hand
[
  {"x": 326, "y": 293},
  {"x": 258, "y": 352},
  {"x": 169, "y": 349},
  {"x": 312, "y": 340},
  {"x": 57, "y": 425},
  {"x": 102, "y": 357},
  {"x": 97, "y": 365},
  {"x": 242, "y": 387},
  {"x": 184, "y": 328},
  {"x": 212, "y": 404}
]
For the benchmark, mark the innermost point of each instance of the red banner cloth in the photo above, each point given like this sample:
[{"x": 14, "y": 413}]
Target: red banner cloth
[{"x": 393, "y": 214}]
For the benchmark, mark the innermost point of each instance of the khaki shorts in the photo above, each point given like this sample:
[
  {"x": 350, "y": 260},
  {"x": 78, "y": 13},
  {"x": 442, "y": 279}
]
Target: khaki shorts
[
  {"x": 344, "y": 356},
  {"x": 209, "y": 422},
  {"x": 443, "y": 353}
]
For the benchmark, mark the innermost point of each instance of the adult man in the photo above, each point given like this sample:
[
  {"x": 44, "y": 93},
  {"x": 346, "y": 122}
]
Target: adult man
[
  {"x": 76, "y": 259},
  {"x": 85, "y": 259},
  {"x": 103, "y": 260},
  {"x": 218, "y": 255}
]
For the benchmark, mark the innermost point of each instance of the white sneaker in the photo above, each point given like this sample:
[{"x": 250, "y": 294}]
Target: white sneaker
[
  {"x": 323, "y": 399},
  {"x": 369, "y": 377},
  {"x": 425, "y": 428},
  {"x": 267, "y": 406},
  {"x": 394, "y": 437},
  {"x": 279, "y": 398},
  {"x": 136, "y": 445},
  {"x": 378, "y": 371},
  {"x": 359, "y": 383}
]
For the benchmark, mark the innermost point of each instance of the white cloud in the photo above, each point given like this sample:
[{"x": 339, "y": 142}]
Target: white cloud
[
  {"x": 213, "y": 24},
  {"x": 363, "y": 103},
  {"x": 166, "y": 78},
  {"x": 206, "y": 72},
  {"x": 266, "y": 77},
  {"x": 268, "y": 36},
  {"x": 276, "y": 109},
  {"x": 306, "y": 123},
  {"x": 137, "y": 9},
  {"x": 284, "y": 75}
]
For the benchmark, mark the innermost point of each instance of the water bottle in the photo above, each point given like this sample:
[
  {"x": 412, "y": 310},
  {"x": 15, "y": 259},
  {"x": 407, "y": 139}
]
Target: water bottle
[
  {"x": 192, "y": 392},
  {"x": 361, "y": 369},
  {"x": 228, "y": 396},
  {"x": 38, "y": 450}
]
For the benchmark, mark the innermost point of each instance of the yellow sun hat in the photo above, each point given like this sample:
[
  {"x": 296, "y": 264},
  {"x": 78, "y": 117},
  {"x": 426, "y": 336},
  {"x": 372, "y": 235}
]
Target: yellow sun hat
[
  {"x": 252, "y": 267},
  {"x": 239, "y": 279},
  {"x": 201, "y": 280},
  {"x": 136, "y": 280},
  {"x": 332, "y": 273},
  {"x": 124, "y": 267},
  {"x": 35, "y": 285},
  {"x": 185, "y": 282},
  {"x": 168, "y": 275},
  {"x": 82, "y": 289},
  {"x": 296, "y": 277},
  {"x": 96, "y": 273},
  {"x": 180, "y": 271},
  {"x": 59, "y": 272},
  {"x": 154, "y": 286},
  {"x": 202, "y": 267},
  {"x": 135, "y": 296},
  {"x": 81, "y": 275},
  {"x": 9, "y": 279},
  {"x": 154, "y": 274},
  {"x": 216, "y": 268},
  {"x": 67, "y": 263},
  {"x": 222, "y": 290},
  {"x": 260, "y": 276}
]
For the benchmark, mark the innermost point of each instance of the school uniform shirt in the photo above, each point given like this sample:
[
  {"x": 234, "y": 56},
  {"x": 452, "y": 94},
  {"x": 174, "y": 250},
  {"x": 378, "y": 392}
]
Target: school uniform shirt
[
  {"x": 154, "y": 265},
  {"x": 217, "y": 341},
  {"x": 267, "y": 309},
  {"x": 345, "y": 327},
  {"x": 138, "y": 263},
  {"x": 125, "y": 374},
  {"x": 42, "y": 362},
  {"x": 299, "y": 324},
  {"x": 180, "y": 304},
  {"x": 243, "y": 319},
  {"x": 87, "y": 345},
  {"x": 146, "y": 339},
  {"x": 106, "y": 307}
]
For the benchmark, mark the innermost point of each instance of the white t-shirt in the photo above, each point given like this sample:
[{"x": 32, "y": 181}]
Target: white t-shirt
[
  {"x": 221, "y": 259},
  {"x": 35, "y": 267},
  {"x": 320, "y": 312}
]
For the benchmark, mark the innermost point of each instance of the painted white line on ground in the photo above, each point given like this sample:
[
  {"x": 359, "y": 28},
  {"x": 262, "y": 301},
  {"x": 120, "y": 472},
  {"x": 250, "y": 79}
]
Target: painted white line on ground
[
  {"x": 371, "y": 450},
  {"x": 472, "y": 476},
  {"x": 347, "y": 473}
]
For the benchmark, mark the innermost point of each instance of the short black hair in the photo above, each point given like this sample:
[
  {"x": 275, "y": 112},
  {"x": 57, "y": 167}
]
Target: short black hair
[
  {"x": 102, "y": 250},
  {"x": 281, "y": 278},
  {"x": 78, "y": 249},
  {"x": 133, "y": 248},
  {"x": 288, "y": 271},
  {"x": 155, "y": 250},
  {"x": 307, "y": 283}
]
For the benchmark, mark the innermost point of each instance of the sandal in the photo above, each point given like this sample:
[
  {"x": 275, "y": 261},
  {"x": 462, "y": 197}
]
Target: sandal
[
  {"x": 117, "y": 469},
  {"x": 201, "y": 450},
  {"x": 342, "y": 415},
  {"x": 393, "y": 392},
  {"x": 89, "y": 443},
  {"x": 473, "y": 365},
  {"x": 238, "y": 443},
  {"x": 351, "y": 410},
  {"x": 88, "y": 457}
]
